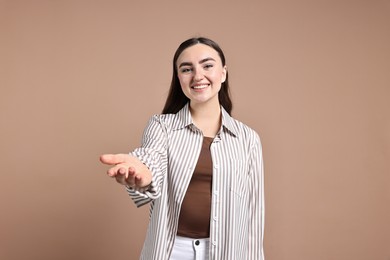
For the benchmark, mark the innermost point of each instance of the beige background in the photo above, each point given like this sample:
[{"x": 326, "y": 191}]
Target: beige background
[{"x": 81, "y": 78}]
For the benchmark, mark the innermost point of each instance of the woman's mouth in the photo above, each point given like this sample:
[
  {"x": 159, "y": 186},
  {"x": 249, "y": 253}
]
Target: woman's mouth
[{"x": 200, "y": 86}]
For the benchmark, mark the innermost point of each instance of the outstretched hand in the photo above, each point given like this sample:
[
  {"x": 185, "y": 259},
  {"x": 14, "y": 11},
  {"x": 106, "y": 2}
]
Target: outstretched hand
[{"x": 127, "y": 170}]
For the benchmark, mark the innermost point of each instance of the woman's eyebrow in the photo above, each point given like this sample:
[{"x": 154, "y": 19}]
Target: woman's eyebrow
[
  {"x": 200, "y": 62},
  {"x": 205, "y": 60},
  {"x": 185, "y": 64}
]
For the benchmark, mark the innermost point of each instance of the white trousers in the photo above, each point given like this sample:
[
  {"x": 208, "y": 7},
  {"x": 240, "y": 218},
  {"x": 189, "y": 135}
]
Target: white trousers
[{"x": 186, "y": 248}]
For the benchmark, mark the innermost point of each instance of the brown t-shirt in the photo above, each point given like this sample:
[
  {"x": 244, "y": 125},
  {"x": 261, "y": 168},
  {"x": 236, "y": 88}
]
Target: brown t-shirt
[{"x": 194, "y": 219}]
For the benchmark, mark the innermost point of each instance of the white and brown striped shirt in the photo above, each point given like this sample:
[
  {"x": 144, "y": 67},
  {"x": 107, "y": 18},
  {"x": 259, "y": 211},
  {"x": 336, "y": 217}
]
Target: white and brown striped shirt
[{"x": 170, "y": 148}]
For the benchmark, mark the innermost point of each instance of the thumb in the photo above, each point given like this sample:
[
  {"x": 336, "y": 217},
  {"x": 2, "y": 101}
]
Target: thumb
[{"x": 113, "y": 159}]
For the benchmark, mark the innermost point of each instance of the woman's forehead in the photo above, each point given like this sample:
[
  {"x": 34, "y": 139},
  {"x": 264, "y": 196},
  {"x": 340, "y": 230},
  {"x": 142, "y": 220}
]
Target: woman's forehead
[{"x": 197, "y": 53}]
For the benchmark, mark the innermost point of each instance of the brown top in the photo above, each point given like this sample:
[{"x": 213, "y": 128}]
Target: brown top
[{"x": 194, "y": 219}]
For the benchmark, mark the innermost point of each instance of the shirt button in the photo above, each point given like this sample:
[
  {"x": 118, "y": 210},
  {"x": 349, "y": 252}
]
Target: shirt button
[
  {"x": 197, "y": 242},
  {"x": 214, "y": 243},
  {"x": 216, "y": 166}
]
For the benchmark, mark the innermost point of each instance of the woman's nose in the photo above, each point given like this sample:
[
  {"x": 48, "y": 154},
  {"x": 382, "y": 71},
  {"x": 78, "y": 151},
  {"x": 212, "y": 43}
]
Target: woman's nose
[{"x": 198, "y": 75}]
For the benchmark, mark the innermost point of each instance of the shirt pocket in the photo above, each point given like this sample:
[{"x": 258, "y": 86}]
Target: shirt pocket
[{"x": 238, "y": 178}]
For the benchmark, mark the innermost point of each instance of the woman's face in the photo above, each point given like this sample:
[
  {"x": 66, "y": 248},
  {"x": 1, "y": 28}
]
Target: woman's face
[{"x": 201, "y": 73}]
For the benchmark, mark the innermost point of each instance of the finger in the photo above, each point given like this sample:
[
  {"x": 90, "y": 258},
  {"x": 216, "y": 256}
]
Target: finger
[
  {"x": 117, "y": 169},
  {"x": 121, "y": 175},
  {"x": 121, "y": 180},
  {"x": 130, "y": 178},
  {"x": 138, "y": 180},
  {"x": 136, "y": 177},
  {"x": 130, "y": 182},
  {"x": 131, "y": 172},
  {"x": 112, "y": 159}
]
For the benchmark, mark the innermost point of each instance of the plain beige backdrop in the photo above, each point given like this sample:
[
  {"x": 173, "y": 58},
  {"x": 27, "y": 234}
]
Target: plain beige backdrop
[{"x": 81, "y": 78}]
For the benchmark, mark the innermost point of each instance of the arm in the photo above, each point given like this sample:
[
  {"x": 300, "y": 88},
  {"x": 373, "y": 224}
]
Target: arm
[
  {"x": 153, "y": 154},
  {"x": 142, "y": 171},
  {"x": 256, "y": 204}
]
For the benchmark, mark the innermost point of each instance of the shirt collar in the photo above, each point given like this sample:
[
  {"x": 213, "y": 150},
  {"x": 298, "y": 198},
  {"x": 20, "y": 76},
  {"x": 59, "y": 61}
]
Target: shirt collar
[
  {"x": 184, "y": 119},
  {"x": 228, "y": 123}
]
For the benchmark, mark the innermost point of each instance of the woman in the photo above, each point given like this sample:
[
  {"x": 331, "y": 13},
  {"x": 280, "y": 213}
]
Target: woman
[{"x": 201, "y": 170}]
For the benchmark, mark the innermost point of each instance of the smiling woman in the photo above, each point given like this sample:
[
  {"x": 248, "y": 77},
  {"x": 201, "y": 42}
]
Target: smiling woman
[
  {"x": 201, "y": 74},
  {"x": 176, "y": 97},
  {"x": 200, "y": 169}
]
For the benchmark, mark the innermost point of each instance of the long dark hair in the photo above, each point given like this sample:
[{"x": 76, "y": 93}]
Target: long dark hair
[{"x": 176, "y": 98}]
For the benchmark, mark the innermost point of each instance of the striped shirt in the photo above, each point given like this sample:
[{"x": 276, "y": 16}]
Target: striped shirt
[{"x": 170, "y": 148}]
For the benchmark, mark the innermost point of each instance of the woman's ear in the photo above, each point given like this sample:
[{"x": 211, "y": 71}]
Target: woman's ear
[{"x": 224, "y": 73}]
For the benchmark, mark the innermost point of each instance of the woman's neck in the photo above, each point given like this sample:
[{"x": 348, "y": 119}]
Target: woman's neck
[{"x": 207, "y": 117}]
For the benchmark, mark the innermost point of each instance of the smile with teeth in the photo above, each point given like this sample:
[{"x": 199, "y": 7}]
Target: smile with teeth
[{"x": 202, "y": 86}]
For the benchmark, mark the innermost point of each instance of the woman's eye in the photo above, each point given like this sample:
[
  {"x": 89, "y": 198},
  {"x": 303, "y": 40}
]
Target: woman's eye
[
  {"x": 208, "y": 66},
  {"x": 185, "y": 70}
]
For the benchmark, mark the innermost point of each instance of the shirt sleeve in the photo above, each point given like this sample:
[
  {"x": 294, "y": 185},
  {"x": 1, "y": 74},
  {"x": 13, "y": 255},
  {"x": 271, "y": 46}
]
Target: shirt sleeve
[
  {"x": 256, "y": 203},
  {"x": 152, "y": 153}
]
